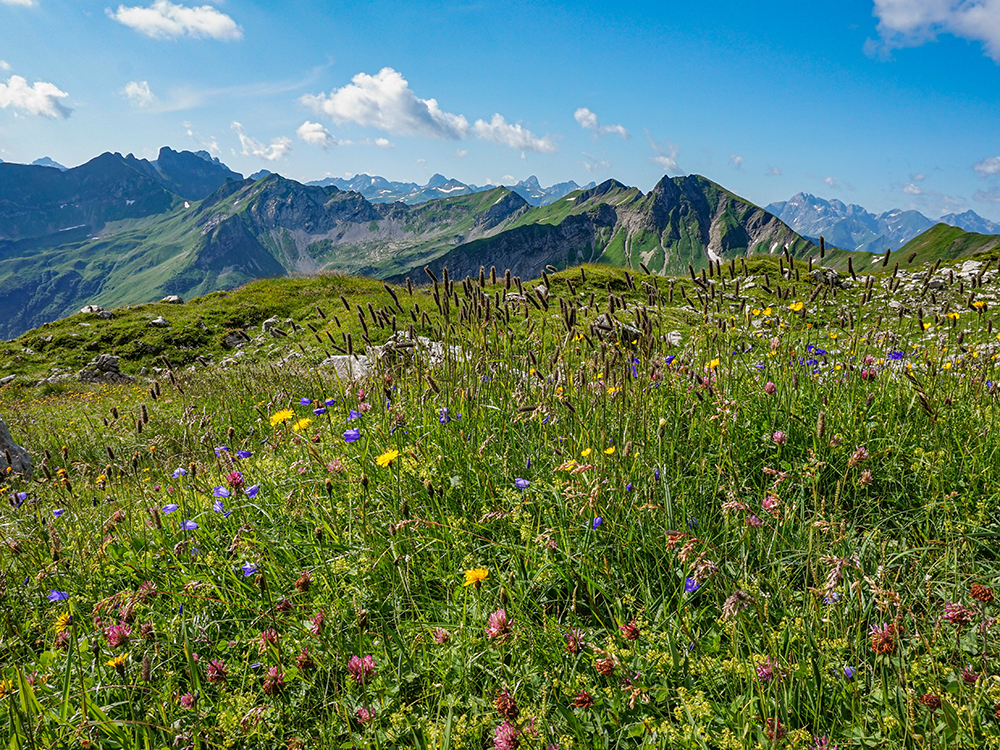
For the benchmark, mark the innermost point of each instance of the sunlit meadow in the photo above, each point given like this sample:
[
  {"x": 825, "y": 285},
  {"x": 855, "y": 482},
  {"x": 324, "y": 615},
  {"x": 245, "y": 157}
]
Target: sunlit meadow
[{"x": 747, "y": 518}]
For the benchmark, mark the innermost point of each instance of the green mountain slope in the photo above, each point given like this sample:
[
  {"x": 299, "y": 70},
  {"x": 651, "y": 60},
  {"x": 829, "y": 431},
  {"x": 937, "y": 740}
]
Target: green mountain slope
[{"x": 946, "y": 242}]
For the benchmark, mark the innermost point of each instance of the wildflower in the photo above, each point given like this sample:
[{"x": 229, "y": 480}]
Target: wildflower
[
  {"x": 441, "y": 636},
  {"x": 596, "y": 523},
  {"x": 353, "y": 414},
  {"x": 796, "y": 306},
  {"x": 117, "y": 635},
  {"x": 169, "y": 508},
  {"x": 883, "y": 638},
  {"x": 220, "y": 449},
  {"x": 605, "y": 666},
  {"x": 317, "y": 622},
  {"x": 252, "y": 490},
  {"x": 188, "y": 701},
  {"x": 506, "y": 737},
  {"x": 981, "y": 593},
  {"x": 117, "y": 662},
  {"x": 772, "y": 505},
  {"x": 274, "y": 683},
  {"x": 268, "y": 638},
  {"x": 628, "y": 487},
  {"x": 774, "y": 729},
  {"x": 506, "y": 706},
  {"x": 248, "y": 569},
  {"x": 630, "y": 631},
  {"x": 779, "y": 437},
  {"x": 583, "y": 699},
  {"x": 365, "y": 715},
  {"x": 305, "y": 401},
  {"x": 216, "y": 671},
  {"x": 304, "y": 660},
  {"x": 179, "y": 472},
  {"x": 475, "y": 576},
  {"x": 387, "y": 458},
  {"x": 351, "y": 436},
  {"x": 770, "y": 388},
  {"x": 522, "y": 484},
  {"x": 766, "y": 671},
  {"x": 304, "y": 581},
  {"x": 218, "y": 507},
  {"x": 235, "y": 480},
  {"x": 63, "y": 621},
  {"x": 691, "y": 585},
  {"x": 361, "y": 668},
  {"x": 499, "y": 627},
  {"x": 574, "y": 640},
  {"x": 754, "y": 521},
  {"x": 281, "y": 417},
  {"x": 969, "y": 677},
  {"x": 585, "y": 452},
  {"x": 656, "y": 475},
  {"x": 189, "y": 525},
  {"x": 319, "y": 410},
  {"x": 848, "y": 673},
  {"x": 957, "y": 614},
  {"x": 302, "y": 424},
  {"x": 221, "y": 491},
  {"x": 243, "y": 454},
  {"x": 860, "y": 454},
  {"x": 714, "y": 363},
  {"x": 443, "y": 416},
  {"x": 933, "y": 702},
  {"x": 58, "y": 512},
  {"x": 866, "y": 478}
]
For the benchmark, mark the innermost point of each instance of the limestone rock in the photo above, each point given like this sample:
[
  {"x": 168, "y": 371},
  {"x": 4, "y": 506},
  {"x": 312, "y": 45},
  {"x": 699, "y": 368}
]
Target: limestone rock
[
  {"x": 12, "y": 455},
  {"x": 8, "y": 379},
  {"x": 88, "y": 309},
  {"x": 347, "y": 367},
  {"x": 159, "y": 322},
  {"x": 104, "y": 369},
  {"x": 172, "y": 299}
]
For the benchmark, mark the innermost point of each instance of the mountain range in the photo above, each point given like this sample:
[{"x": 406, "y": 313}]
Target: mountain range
[
  {"x": 120, "y": 230},
  {"x": 381, "y": 190},
  {"x": 852, "y": 227}
]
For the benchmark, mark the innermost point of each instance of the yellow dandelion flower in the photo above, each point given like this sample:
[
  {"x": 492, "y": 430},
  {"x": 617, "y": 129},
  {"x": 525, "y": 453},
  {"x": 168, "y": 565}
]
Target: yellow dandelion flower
[
  {"x": 585, "y": 452},
  {"x": 609, "y": 451},
  {"x": 62, "y": 621},
  {"x": 116, "y": 662},
  {"x": 927, "y": 325},
  {"x": 796, "y": 306},
  {"x": 612, "y": 390},
  {"x": 713, "y": 364},
  {"x": 387, "y": 458},
  {"x": 767, "y": 311},
  {"x": 476, "y": 576},
  {"x": 302, "y": 424},
  {"x": 280, "y": 417}
]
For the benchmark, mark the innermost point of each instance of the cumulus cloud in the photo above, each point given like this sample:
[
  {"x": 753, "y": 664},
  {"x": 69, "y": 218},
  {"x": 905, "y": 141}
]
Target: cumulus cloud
[
  {"x": 773, "y": 172},
  {"x": 987, "y": 196},
  {"x": 384, "y": 143},
  {"x": 41, "y": 98},
  {"x": 462, "y": 153},
  {"x": 588, "y": 121},
  {"x": 500, "y": 131},
  {"x": 907, "y": 23},
  {"x": 736, "y": 160},
  {"x": 988, "y": 166},
  {"x": 22, "y": 3},
  {"x": 138, "y": 93},
  {"x": 911, "y": 189},
  {"x": 279, "y": 148},
  {"x": 385, "y": 101},
  {"x": 832, "y": 182},
  {"x": 166, "y": 20},
  {"x": 4, "y": 65},
  {"x": 315, "y": 134},
  {"x": 593, "y": 164},
  {"x": 918, "y": 177}
]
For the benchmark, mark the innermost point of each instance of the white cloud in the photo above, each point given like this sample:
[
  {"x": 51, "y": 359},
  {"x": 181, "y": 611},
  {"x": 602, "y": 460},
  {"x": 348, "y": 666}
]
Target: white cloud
[
  {"x": 22, "y": 3},
  {"x": 588, "y": 121},
  {"x": 593, "y": 164},
  {"x": 989, "y": 166},
  {"x": 212, "y": 145},
  {"x": 138, "y": 93},
  {"x": 166, "y": 20},
  {"x": 911, "y": 189},
  {"x": 384, "y": 143},
  {"x": 906, "y": 23},
  {"x": 500, "y": 131},
  {"x": 832, "y": 182},
  {"x": 279, "y": 148},
  {"x": 773, "y": 172},
  {"x": 4, "y": 65},
  {"x": 315, "y": 134},
  {"x": 385, "y": 101},
  {"x": 918, "y": 177},
  {"x": 666, "y": 154},
  {"x": 736, "y": 160},
  {"x": 40, "y": 98},
  {"x": 462, "y": 153},
  {"x": 987, "y": 196}
]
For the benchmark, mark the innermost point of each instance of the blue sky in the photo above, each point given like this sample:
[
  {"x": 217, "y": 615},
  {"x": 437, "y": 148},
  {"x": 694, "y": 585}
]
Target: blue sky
[{"x": 884, "y": 103}]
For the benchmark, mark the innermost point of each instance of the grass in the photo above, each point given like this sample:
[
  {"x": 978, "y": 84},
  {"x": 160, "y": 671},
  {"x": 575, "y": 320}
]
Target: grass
[{"x": 756, "y": 538}]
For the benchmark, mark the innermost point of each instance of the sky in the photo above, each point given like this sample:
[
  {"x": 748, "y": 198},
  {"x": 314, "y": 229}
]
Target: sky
[{"x": 883, "y": 103}]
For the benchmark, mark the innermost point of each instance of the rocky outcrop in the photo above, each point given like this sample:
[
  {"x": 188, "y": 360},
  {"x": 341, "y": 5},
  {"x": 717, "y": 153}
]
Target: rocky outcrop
[
  {"x": 12, "y": 455},
  {"x": 104, "y": 369}
]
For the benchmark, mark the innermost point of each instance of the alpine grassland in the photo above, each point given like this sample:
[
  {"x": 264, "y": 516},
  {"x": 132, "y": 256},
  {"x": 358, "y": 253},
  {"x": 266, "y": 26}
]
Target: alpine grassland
[{"x": 752, "y": 507}]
